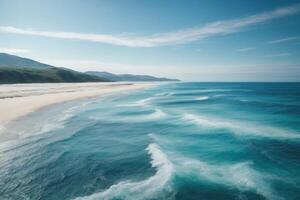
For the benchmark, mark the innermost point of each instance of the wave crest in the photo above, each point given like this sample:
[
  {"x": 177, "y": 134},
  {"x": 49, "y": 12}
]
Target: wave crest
[
  {"x": 158, "y": 113},
  {"x": 240, "y": 175},
  {"x": 164, "y": 94},
  {"x": 142, "y": 102},
  {"x": 156, "y": 186},
  {"x": 202, "y": 98},
  {"x": 242, "y": 128}
]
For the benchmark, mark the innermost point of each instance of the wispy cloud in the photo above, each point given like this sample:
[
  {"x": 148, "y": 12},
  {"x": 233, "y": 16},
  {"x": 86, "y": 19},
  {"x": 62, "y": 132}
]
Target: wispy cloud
[
  {"x": 279, "y": 55},
  {"x": 246, "y": 49},
  {"x": 13, "y": 50},
  {"x": 169, "y": 38},
  {"x": 287, "y": 39}
]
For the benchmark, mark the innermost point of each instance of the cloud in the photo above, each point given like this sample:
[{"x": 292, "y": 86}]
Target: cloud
[
  {"x": 279, "y": 55},
  {"x": 246, "y": 49},
  {"x": 169, "y": 38},
  {"x": 283, "y": 40},
  {"x": 13, "y": 50}
]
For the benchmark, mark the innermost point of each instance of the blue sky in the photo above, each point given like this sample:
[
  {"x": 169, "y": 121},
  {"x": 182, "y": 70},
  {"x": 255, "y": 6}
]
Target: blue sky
[{"x": 201, "y": 40}]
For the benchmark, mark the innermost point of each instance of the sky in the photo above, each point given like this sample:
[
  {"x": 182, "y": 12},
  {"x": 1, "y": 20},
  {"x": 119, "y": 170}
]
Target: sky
[{"x": 193, "y": 40}]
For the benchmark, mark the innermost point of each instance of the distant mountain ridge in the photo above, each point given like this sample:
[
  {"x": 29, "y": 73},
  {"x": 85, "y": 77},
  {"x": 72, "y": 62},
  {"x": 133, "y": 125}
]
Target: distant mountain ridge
[
  {"x": 15, "y": 69},
  {"x": 127, "y": 77},
  {"x": 7, "y": 60}
]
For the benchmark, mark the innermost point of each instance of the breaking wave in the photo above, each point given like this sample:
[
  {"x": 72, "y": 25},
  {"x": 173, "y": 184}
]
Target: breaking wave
[
  {"x": 242, "y": 128},
  {"x": 158, "y": 113},
  {"x": 142, "y": 102},
  {"x": 202, "y": 98},
  {"x": 240, "y": 175},
  {"x": 26, "y": 128},
  {"x": 156, "y": 186}
]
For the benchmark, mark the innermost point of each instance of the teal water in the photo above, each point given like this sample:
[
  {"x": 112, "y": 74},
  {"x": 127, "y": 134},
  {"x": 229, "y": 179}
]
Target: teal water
[{"x": 183, "y": 141}]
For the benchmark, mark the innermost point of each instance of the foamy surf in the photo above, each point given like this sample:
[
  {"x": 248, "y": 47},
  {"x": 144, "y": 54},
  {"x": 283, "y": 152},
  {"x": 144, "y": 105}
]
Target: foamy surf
[
  {"x": 202, "y": 98},
  {"x": 240, "y": 175},
  {"x": 40, "y": 123},
  {"x": 241, "y": 128},
  {"x": 153, "y": 187},
  {"x": 142, "y": 102},
  {"x": 157, "y": 114},
  {"x": 70, "y": 112}
]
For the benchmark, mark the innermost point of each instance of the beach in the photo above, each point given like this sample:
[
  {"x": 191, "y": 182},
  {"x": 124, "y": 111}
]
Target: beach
[{"x": 17, "y": 100}]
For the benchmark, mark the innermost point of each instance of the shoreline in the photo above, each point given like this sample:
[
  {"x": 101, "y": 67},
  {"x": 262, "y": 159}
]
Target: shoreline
[{"x": 18, "y": 100}]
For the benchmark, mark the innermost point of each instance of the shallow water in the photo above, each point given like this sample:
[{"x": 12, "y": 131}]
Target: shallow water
[{"x": 179, "y": 141}]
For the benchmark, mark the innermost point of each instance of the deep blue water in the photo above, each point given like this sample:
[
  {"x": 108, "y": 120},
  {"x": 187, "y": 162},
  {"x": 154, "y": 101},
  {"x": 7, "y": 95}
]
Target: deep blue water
[{"x": 183, "y": 141}]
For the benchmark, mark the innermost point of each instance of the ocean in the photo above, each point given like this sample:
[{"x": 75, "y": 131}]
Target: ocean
[{"x": 181, "y": 141}]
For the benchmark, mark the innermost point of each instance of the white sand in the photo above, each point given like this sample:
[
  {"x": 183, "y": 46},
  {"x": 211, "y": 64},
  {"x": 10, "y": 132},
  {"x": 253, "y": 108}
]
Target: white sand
[{"x": 17, "y": 100}]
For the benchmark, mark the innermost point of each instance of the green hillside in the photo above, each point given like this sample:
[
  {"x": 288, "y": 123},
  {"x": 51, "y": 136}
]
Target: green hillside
[
  {"x": 14, "y": 69},
  {"x": 48, "y": 75},
  {"x": 7, "y": 60}
]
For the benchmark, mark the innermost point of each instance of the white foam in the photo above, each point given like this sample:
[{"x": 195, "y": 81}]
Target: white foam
[
  {"x": 201, "y": 121},
  {"x": 242, "y": 128},
  {"x": 157, "y": 114},
  {"x": 142, "y": 102},
  {"x": 150, "y": 188},
  {"x": 202, "y": 98},
  {"x": 67, "y": 114},
  {"x": 45, "y": 125},
  {"x": 59, "y": 121},
  {"x": 240, "y": 175},
  {"x": 145, "y": 101}
]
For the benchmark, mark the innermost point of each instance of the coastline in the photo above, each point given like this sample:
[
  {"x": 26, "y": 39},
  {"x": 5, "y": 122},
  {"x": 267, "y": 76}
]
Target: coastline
[{"x": 18, "y": 100}]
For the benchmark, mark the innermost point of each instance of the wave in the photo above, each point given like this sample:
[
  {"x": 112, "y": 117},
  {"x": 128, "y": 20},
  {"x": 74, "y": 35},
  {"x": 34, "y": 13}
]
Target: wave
[
  {"x": 145, "y": 101},
  {"x": 242, "y": 128},
  {"x": 45, "y": 124},
  {"x": 70, "y": 112},
  {"x": 60, "y": 120},
  {"x": 158, "y": 113},
  {"x": 164, "y": 94},
  {"x": 142, "y": 102},
  {"x": 240, "y": 175},
  {"x": 202, "y": 98},
  {"x": 156, "y": 186}
]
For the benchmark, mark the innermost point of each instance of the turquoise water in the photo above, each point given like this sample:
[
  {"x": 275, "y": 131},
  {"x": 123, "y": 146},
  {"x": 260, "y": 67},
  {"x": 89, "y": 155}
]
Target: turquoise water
[{"x": 178, "y": 141}]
